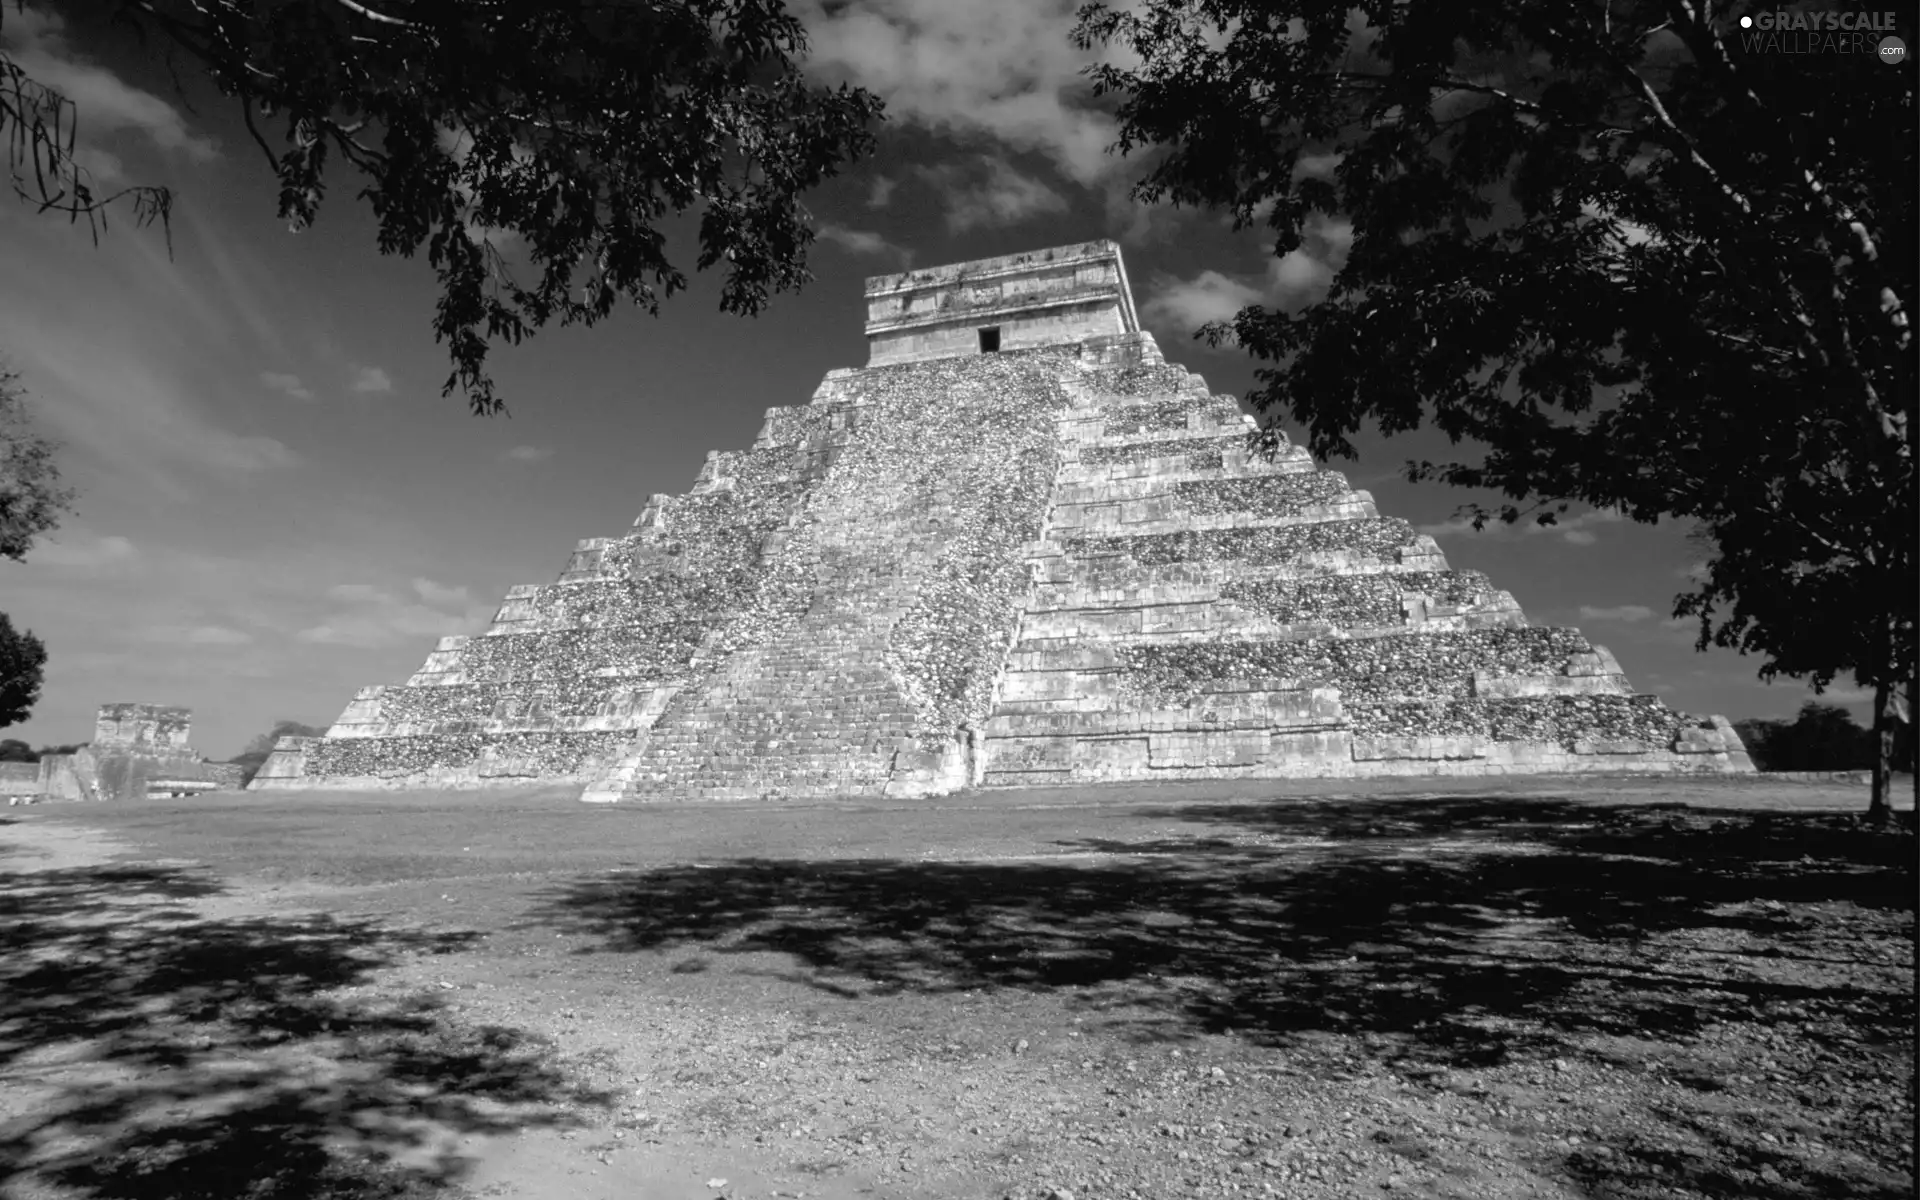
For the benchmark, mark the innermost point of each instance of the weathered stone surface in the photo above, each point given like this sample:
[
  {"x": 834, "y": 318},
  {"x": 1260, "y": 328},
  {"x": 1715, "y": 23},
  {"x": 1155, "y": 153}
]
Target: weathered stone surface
[
  {"x": 1042, "y": 298},
  {"x": 138, "y": 751},
  {"x": 1053, "y": 559}
]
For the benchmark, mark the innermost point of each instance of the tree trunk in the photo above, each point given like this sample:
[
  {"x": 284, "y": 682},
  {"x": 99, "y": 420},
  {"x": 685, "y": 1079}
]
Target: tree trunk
[
  {"x": 1880, "y": 807},
  {"x": 1909, "y": 714}
]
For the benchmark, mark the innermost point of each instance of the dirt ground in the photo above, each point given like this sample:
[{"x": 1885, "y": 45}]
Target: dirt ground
[{"x": 1621, "y": 989}]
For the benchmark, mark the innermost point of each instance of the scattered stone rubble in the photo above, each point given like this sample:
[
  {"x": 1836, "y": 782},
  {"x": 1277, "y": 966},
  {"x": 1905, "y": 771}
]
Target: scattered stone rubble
[{"x": 1018, "y": 547}]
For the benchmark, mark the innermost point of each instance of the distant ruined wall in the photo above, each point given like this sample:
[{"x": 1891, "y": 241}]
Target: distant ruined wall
[
  {"x": 19, "y": 781},
  {"x": 138, "y": 751},
  {"x": 162, "y": 728}
]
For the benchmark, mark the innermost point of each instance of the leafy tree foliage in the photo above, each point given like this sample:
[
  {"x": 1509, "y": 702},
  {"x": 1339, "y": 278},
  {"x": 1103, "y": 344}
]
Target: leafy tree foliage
[
  {"x": 32, "y": 500},
  {"x": 578, "y": 125},
  {"x": 23, "y": 661},
  {"x": 1633, "y": 263},
  {"x": 1823, "y": 737},
  {"x": 15, "y": 750}
]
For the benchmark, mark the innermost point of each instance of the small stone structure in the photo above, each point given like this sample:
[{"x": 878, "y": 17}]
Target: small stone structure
[
  {"x": 1018, "y": 547},
  {"x": 138, "y": 751}
]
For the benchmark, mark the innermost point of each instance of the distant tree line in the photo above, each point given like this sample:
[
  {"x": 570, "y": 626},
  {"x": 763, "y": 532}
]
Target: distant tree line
[
  {"x": 15, "y": 750},
  {"x": 1824, "y": 737}
]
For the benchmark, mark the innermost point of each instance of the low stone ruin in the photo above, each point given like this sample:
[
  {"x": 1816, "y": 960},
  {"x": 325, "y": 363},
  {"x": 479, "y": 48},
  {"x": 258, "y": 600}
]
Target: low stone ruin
[{"x": 138, "y": 751}]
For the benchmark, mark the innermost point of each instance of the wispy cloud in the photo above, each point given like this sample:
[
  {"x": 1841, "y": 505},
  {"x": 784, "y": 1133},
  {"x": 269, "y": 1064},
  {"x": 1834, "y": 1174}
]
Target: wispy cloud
[
  {"x": 1303, "y": 275},
  {"x": 1316, "y": 166},
  {"x": 1298, "y": 278},
  {"x": 861, "y": 241},
  {"x": 1184, "y": 305},
  {"x": 1576, "y": 531},
  {"x": 529, "y": 454},
  {"x": 440, "y": 595},
  {"x": 987, "y": 191},
  {"x": 196, "y": 635},
  {"x": 105, "y": 349},
  {"x": 880, "y": 192},
  {"x": 1623, "y": 612},
  {"x": 372, "y": 379},
  {"x": 368, "y": 616},
  {"x": 286, "y": 385},
  {"x": 1002, "y": 69},
  {"x": 81, "y": 551},
  {"x": 36, "y": 40}
]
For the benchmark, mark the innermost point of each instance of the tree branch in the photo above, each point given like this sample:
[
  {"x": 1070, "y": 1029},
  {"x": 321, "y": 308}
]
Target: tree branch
[{"x": 369, "y": 14}]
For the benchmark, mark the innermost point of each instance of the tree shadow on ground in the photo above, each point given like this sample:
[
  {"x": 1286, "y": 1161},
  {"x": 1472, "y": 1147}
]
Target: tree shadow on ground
[
  {"x": 150, "y": 1051},
  {"x": 1441, "y": 934}
]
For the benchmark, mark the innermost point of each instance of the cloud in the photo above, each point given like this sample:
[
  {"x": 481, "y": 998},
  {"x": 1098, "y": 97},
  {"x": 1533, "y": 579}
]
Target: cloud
[
  {"x": 988, "y": 192},
  {"x": 1303, "y": 275},
  {"x": 1191, "y": 303},
  {"x": 104, "y": 102},
  {"x": 1300, "y": 277},
  {"x": 372, "y": 379},
  {"x": 286, "y": 385},
  {"x": 245, "y": 453},
  {"x": 1315, "y": 166},
  {"x": 859, "y": 241},
  {"x": 1623, "y": 612},
  {"x": 217, "y": 635},
  {"x": 529, "y": 454},
  {"x": 1002, "y": 69},
  {"x": 372, "y": 617},
  {"x": 124, "y": 404},
  {"x": 1843, "y": 693},
  {"x": 1574, "y": 531},
  {"x": 881, "y": 191},
  {"x": 441, "y": 595},
  {"x": 85, "y": 552},
  {"x": 359, "y": 593}
]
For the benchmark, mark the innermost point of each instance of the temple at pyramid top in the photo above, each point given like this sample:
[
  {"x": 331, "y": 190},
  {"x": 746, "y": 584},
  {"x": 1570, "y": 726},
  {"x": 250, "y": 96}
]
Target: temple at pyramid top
[{"x": 1048, "y": 297}]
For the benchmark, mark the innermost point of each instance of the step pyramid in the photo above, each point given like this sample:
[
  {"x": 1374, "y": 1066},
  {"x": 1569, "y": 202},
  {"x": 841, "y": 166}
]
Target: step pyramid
[{"x": 1018, "y": 547}]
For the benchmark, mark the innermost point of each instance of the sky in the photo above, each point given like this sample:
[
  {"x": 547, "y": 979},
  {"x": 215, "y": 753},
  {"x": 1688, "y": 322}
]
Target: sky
[{"x": 277, "y": 506}]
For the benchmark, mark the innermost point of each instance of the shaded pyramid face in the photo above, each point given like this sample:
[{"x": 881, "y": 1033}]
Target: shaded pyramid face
[{"x": 1017, "y": 548}]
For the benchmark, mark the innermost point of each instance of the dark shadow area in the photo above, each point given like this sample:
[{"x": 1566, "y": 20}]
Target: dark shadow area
[
  {"x": 1439, "y": 934},
  {"x": 174, "y": 1056}
]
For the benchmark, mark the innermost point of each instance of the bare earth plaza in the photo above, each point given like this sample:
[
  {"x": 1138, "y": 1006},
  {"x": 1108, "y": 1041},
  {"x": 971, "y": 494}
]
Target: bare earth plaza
[
  {"x": 1005, "y": 783},
  {"x": 959, "y": 600}
]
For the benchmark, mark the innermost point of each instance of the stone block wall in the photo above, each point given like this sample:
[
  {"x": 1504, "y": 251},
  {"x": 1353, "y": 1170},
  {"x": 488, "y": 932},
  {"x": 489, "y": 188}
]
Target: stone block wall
[
  {"x": 163, "y": 728},
  {"x": 20, "y": 781},
  {"x": 1054, "y": 297}
]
